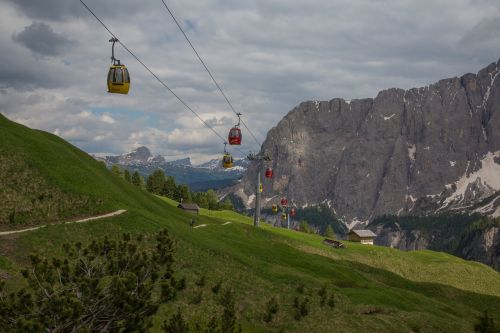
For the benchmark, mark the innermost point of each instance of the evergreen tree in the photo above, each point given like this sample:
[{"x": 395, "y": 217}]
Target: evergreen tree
[
  {"x": 116, "y": 170},
  {"x": 201, "y": 199},
  {"x": 183, "y": 194},
  {"x": 137, "y": 179},
  {"x": 485, "y": 324},
  {"x": 126, "y": 175},
  {"x": 304, "y": 226},
  {"x": 213, "y": 201},
  {"x": 227, "y": 204},
  {"x": 176, "y": 324},
  {"x": 169, "y": 187},
  {"x": 228, "y": 318},
  {"x": 156, "y": 182},
  {"x": 94, "y": 288},
  {"x": 329, "y": 231}
]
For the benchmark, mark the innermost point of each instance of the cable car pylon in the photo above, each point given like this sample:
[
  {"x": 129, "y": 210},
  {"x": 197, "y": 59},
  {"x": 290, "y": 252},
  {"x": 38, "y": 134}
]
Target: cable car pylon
[{"x": 258, "y": 157}]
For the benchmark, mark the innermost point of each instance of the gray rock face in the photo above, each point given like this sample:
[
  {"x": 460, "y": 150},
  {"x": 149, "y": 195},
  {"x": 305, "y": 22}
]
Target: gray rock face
[
  {"x": 136, "y": 156},
  {"x": 416, "y": 151},
  {"x": 403, "y": 240},
  {"x": 482, "y": 246}
]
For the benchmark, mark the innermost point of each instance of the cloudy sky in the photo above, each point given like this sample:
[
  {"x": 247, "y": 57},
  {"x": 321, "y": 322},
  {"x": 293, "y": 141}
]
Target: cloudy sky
[{"x": 268, "y": 56}]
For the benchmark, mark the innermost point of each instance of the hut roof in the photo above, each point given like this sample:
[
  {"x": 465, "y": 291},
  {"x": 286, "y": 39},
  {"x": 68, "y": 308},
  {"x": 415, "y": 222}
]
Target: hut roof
[
  {"x": 188, "y": 206},
  {"x": 364, "y": 233}
]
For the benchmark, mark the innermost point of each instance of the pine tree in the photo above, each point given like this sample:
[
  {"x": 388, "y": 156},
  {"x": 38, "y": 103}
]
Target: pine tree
[
  {"x": 156, "y": 182},
  {"x": 213, "y": 201},
  {"x": 201, "y": 199},
  {"x": 126, "y": 175},
  {"x": 117, "y": 170},
  {"x": 183, "y": 193},
  {"x": 169, "y": 187},
  {"x": 304, "y": 226},
  {"x": 93, "y": 288},
  {"x": 227, "y": 204},
  {"x": 485, "y": 324},
  {"x": 228, "y": 319},
  {"x": 329, "y": 231},
  {"x": 176, "y": 324},
  {"x": 137, "y": 179}
]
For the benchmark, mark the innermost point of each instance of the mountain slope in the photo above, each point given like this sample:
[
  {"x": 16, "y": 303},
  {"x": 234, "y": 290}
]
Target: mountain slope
[
  {"x": 380, "y": 288},
  {"x": 418, "y": 151}
]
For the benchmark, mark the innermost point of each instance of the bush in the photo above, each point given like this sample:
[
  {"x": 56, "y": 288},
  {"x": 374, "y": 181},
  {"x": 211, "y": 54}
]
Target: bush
[
  {"x": 201, "y": 281},
  {"x": 228, "y": 319},
  {"x": 272, "y": 308},
  {"x": 181, "y": 284},
  {"x": 216, "y": 287},
  {"x": 176, "y": 324},
  {"x": 323, "y": 295},
  {"x": 93, "y": 288},
  {"x": 304, "y": 307},
  {"x": 485, "y": 324},
  {"x": 196, "y": 298},
  {"x": 301, "y": 307},
  {"x": 331, "y": 301}
]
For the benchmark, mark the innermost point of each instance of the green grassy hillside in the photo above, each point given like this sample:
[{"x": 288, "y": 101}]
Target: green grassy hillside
[{"x": 376, "y": 289}]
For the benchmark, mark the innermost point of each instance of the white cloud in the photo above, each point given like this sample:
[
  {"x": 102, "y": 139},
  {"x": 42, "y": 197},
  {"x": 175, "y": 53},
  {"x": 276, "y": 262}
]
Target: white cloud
[{"x": 106, "y": 118}]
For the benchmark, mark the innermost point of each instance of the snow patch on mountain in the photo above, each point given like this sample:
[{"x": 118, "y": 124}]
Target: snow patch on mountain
[
  {"x": 412, "y": 149},
  {"x": 488, "y": 176},
  {"x": 250, "y": 200}
]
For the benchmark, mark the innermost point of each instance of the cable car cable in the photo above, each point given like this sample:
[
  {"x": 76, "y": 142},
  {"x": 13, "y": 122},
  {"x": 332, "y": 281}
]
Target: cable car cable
[
  {"x": 156, "y": 77},
  {"x": 209, "y": 73}
]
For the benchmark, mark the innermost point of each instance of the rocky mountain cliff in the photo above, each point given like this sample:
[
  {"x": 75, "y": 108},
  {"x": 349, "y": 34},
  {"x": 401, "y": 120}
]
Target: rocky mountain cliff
[
  {"x": 420, "y": 151},
  {"x": 482, "y": 246}
]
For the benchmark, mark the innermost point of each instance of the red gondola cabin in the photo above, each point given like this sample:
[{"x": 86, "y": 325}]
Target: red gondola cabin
[
  {"x": 284, "y": 202},
  {"x": 293, "y": 211},
  {"x": 234, "y": 137},
  {"x": 269, "y": 173}
]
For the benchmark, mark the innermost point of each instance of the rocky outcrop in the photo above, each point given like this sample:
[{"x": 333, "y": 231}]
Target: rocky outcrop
[
  {"x": 140, "y": 155},
  {"x": 417, "y": 151},
  {"x": 482, "y": 246},
  {"x": 402, "y": 239}
]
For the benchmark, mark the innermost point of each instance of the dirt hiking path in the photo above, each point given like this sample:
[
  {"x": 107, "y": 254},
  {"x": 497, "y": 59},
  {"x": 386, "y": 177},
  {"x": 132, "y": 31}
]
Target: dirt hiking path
[{"x": 118, "y": 212}]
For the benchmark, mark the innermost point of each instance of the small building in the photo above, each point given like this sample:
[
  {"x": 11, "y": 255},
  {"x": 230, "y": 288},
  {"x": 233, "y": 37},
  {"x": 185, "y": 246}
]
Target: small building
[
  {"x": 361, "y": 236},
  {"x": 189, "y": 207}
]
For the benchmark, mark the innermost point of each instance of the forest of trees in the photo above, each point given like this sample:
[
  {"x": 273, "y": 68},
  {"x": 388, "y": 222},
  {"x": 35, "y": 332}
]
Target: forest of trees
[{"x": 160, "y": 184}]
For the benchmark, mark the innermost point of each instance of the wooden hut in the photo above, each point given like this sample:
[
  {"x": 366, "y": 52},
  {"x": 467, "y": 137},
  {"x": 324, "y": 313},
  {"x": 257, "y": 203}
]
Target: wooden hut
[
  {"x": 361, "y": 236},
  {"x": 189, "y": 207}
]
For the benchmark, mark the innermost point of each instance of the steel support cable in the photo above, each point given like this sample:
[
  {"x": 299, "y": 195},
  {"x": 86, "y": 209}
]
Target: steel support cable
[
  {"x": 156, "y": 76},
  {"x": 209, "y": 72}
]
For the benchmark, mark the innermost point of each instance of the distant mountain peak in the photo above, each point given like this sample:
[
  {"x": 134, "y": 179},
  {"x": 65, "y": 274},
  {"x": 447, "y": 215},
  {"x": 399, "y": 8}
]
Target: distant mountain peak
[
  {"x": 142, "y": 153},
  {"x": 186, "y": 162}
]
